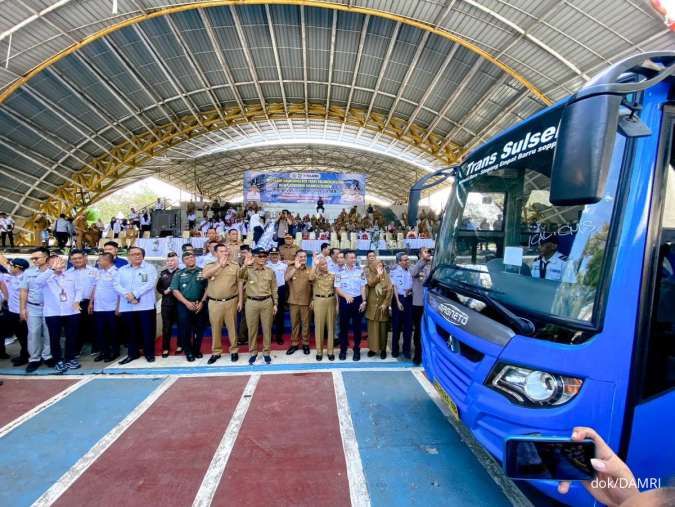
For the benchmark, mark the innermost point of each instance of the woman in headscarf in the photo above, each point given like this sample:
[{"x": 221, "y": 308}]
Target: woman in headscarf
[{"x": 380, "y": 291}]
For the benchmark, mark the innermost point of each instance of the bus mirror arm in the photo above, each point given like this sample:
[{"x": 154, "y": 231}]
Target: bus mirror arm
[
  {"x": 588, "y": 128},
  {"x": 425, "y": 182}
]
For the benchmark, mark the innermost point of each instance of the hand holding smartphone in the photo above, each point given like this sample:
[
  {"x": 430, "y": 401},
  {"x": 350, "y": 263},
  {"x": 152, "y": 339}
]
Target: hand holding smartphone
[{"x": 549, "y": 458}]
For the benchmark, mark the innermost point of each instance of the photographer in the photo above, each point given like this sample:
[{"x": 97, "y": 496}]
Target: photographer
[{"x": 420, "y": 273}]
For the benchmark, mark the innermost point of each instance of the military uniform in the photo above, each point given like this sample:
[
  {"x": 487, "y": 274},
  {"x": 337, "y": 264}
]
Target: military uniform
[
  {"x": 380, "y": 292},
  {"x": 223, "y": 294},
  {"x": 169, "y": 308},
  {"x": 261, "y": 297},
  {"x": 235, "y": 252},
  {"x": 191, "y": 284},
  {"x": 288, "y": 252},
  {"x": 324, "y": 310},
  {"x": 299, "y": 297}
]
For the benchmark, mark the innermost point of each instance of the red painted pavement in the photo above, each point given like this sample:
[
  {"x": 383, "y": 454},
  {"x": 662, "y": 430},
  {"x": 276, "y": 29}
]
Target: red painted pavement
[
  {"x": 289, "y": 451},
  {"x": 18, "y": 396},
  {"x": 162, "y": 458}
]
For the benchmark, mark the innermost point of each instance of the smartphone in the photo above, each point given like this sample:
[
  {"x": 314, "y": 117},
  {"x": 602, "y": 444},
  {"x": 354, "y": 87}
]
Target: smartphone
[{"x": 549, "y": 458}]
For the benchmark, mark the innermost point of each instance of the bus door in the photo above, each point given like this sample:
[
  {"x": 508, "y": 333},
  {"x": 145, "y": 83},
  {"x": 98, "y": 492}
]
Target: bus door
[{"x": 648, "y": 443}]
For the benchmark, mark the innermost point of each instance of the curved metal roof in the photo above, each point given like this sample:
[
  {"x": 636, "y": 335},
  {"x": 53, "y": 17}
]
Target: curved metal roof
[{"x": 91, "y": 100}]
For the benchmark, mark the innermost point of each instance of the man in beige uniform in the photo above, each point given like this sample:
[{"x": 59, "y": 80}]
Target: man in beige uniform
[
  {"x": 261, "y": 302},
  {"x": 225, "y": 295},
  {"x": 288, "y": 249},
  {"x": 323, "y": 304},
  {"x": 299, "y": 298},
  {"x": 233, "y": 244}
]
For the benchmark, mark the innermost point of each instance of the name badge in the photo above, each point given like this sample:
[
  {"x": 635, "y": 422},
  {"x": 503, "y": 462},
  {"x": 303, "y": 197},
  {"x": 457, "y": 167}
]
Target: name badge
[
  {"x": 63, "y": 297},
  {"x": 144, "y": 277}
]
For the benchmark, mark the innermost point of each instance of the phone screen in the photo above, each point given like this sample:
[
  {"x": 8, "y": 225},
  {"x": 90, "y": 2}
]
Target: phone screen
[{"x": 549, "y": 459}]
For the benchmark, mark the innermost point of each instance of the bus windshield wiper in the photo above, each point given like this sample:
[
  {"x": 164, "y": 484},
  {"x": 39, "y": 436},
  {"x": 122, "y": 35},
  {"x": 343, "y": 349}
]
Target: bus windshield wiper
[{"x": 518, "y": 324}]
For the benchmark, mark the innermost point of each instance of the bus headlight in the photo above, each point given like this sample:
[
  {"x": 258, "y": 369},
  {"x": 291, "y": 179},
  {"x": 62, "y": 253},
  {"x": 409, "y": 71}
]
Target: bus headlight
[{"x": 533, "y": 388}]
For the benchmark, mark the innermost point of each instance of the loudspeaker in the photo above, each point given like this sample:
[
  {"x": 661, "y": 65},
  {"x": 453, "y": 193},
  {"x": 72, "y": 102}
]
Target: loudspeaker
[{"x": 166, "y": 223}]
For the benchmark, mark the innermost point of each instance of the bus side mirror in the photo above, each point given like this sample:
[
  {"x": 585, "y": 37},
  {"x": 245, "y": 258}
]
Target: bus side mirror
[{"x": 583, "y": 152}]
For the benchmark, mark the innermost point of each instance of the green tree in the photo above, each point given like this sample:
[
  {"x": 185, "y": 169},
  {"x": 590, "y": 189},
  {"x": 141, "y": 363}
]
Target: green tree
[{"x": 136, "y": 196}]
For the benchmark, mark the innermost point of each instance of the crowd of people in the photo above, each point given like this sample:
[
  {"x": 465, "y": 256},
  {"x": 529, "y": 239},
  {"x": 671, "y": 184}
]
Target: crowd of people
[{"x": 230, "y": 286}]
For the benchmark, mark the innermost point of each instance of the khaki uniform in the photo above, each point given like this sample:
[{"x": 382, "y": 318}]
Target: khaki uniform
[
  {"x": 233, "y": 247},
  {"x": 223, "y": 294},
  {"x": 324, "y": 309},
  {"x": 261, "y": 298},
  {"x": 299, "y": 297},
  {"x": 380, "y": 291},
  {"x": 287, "y": 252}
]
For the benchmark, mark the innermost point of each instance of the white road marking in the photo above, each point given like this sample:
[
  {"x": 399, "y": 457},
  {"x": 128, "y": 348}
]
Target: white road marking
[
  {"x": 42, "y": 406},
  {"x": 68, "y": 479},
  {"x": 492, "y": 467},
  {"x": 358, "y": 489},
  {"x": 213, "y": 475}
]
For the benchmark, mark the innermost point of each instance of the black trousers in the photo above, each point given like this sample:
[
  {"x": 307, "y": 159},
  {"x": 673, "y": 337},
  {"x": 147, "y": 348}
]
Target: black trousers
[
  {"x": 191, "y": 327},
  {"x": 5, "y": 235},
  {"x": 71, "y": 327},
  {"x": 12, "y": 325},
  {"x": 257, "y": 233},
  {"x": 139, "y": 328},
  {"x": 62, "y": 239},
  {"x": 86, "y": 327},
  {"x": 401, "y": 320},
  {"x": 169, "y": 318},
  {"x": 107, "y": 328},
  {"x": 278, "y": 324},
  {"x": 417, "y": 312},
  {"x": 350, "y": 319}
]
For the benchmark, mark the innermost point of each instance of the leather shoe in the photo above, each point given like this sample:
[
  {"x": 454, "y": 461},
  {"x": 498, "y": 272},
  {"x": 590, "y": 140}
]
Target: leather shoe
[
  {"x": 305, "y": 349},
  {"x": 234, "y": 357},
  {"x": 268, "y": 359},
  {"x": 357, "y": 355},
  {"x": 213, "y": 358},
  {"x": 343, "y": 355},
  {"x": 150, "y": 359},
  {"x": 190, "y": 357},
  {"x": 319, "y": 357},
  {"x": 292, "y": 350},
  {"x": 199, "y": 355},
  {"x": 371, "y": 353},
  {"x": 111, "y": 358},
  {"x": 19, "y": 361},
  {"x": 128, "y": 359},
  {"x": 394, "y": 354},
  {"x": 252, "y": 359},
  {"x": 383, "y": 354},
  {"x": 99, "y": 358},
  {"x": 32, "y": 366},
  {"x": 331, "y": 357},
  {"x": 165, "y": 354}
]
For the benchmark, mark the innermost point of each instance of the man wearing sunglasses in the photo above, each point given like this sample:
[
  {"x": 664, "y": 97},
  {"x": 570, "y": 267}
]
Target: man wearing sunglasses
[{"x": 31, "y": 309}]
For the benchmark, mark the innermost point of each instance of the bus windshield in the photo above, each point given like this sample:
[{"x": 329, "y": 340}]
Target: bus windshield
[{"x": 501, "y": 236}]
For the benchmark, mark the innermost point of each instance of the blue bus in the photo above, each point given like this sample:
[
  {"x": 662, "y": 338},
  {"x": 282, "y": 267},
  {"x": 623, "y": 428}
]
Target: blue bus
[{"x": 551, "y": 300}]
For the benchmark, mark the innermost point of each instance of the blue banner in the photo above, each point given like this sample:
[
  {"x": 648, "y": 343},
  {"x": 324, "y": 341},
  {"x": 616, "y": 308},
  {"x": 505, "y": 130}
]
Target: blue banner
[{"x": 295, "y": 187}]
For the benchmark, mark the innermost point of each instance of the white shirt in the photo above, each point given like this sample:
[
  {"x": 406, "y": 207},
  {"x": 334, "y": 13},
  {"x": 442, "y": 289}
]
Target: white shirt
[
  {"x": 350, "y": 281},
  {"x": 332, "y": 265},
  {"x": 192, "y": 217},
  {"x": 159, "y": 205},
  {"x": 62, "y": 225},
  {"x": 117, "y": 227},
  {"x": 203, "y": 260},
  {"x": 140, "y": 281},
  {"x": 552, "y": 269},
  {"x": 133, "y": 215},
  {"x": 145, "y": 221},
  {"x": 279, "y": 269},
  {"x": 86, "y": 278},
  {"x": 255, "y": 221},
  {"x": 61, "y": 293},
  {"x": 105, "y": 297},
  {"x": 13, "y": 284},
  {"x": 6, "y": 224}
]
